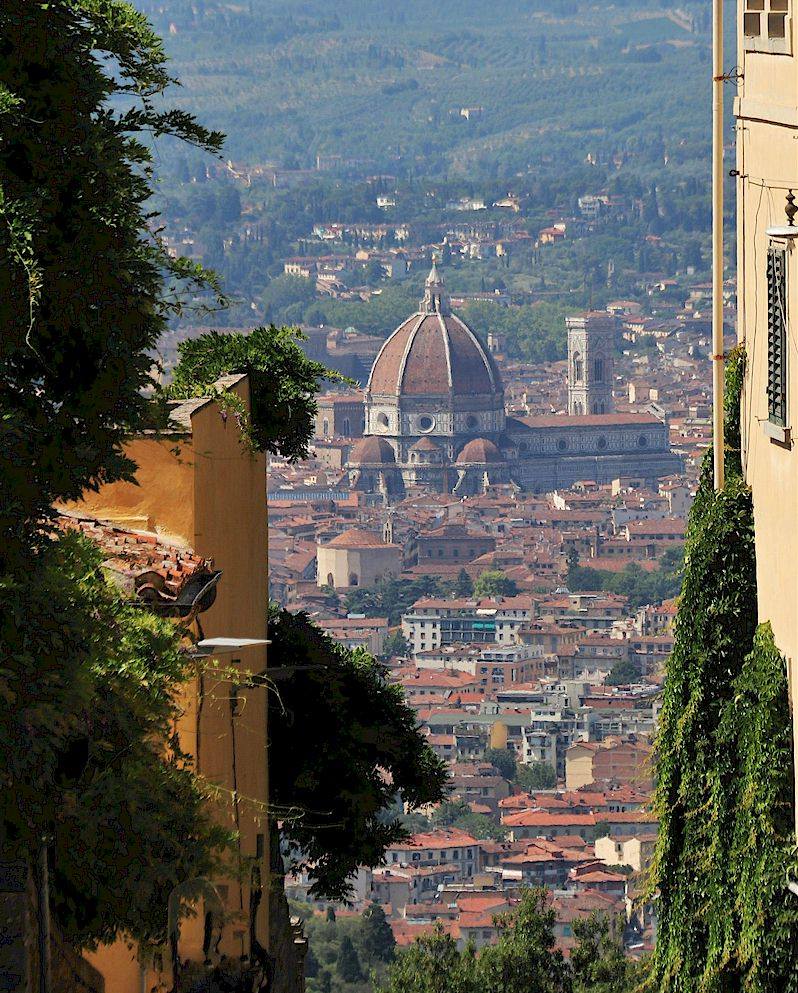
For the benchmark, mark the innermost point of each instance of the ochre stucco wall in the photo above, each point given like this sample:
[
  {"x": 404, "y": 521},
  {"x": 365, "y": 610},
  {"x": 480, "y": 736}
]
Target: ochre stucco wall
[
  {"x": 767, "y": 159},
  {"x": 208, "y": 492}
]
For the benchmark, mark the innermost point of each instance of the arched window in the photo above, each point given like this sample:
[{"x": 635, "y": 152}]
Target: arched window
[
  {"x": 347, "y": 428},
  {"x": 595, "y": 408},
  {"x": 325, "y": 428},
  {"x": 598, "y": 370},
  {"x": 578, "y": 368},
  {"x": 383, "y": 421},
  {"x": 330, "y": 579},
  {"x": 354, "y": 579}
]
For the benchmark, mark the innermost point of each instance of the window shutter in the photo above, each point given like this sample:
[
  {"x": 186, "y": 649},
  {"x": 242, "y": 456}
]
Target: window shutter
[{"x": 777, "y": 336}]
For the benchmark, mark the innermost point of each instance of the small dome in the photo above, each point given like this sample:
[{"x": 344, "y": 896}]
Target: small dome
[
  {"x": 355, "y": 538},
  {"x": 479, "y": 451},
  {"x": 425, "y": 445},
  {"x": 372, "y": 451}
]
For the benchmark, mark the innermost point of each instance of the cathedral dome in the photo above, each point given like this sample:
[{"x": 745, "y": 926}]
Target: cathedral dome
[
  {"x": 372, "y": 451},
  {"x": 480, "y": 451},
  {"x": 434, "y": 353}
]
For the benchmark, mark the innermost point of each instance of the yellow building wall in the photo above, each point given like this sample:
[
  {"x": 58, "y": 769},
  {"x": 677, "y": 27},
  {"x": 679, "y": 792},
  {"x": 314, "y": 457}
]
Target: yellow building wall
[
  {"x": 498, "y": 735},
  {"x": 767, "y": 160},
  {"x": 578, "y": 770},
  {"x": 208, "y": 492}
]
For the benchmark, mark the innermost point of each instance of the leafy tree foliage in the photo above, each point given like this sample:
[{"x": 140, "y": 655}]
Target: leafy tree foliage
[
  {"x": 396, "y": 645},
  {"x": 347, "y": 743},
  {"x": 91, "y": 690},
  {"x": 393, "y": 597},
  {"x": 332, "y": 943},
  {"x": 415, "y": 822},
  {"x": 463, "y": 585},
  {"x": 81, "y": 279},
  {"x": 494, "y": 583},
  {"x": 284, "y": 383},
  {"x": 432, "y": 964},
  {"x": 449, "y": 812},
  {"x": 598, "y": 961},
  {"x": 377, "y": 940},
  {"x": 502, "y": 759},
  {"x": 639, "y": 586},
  {"x": 536, "y": 776},
  {"x": 348, "y": 963},
  {"x": 524, "y": 958},
  {"x": 623, "y": 672},
  {"x": 481, "y": 826},
  {"x": 458, "y": 814}
]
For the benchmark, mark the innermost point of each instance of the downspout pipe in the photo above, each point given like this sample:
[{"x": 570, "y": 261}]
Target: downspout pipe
[{"x": 718, "y": 357}]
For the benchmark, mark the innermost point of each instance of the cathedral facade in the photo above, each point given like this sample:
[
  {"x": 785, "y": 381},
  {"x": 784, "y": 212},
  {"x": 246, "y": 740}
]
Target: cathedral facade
[{"x": 435, "y": 418}]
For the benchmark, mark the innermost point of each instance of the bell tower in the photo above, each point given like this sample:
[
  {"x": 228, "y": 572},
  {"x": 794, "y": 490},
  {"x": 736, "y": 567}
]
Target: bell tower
[{"x": 591, "y": 347}]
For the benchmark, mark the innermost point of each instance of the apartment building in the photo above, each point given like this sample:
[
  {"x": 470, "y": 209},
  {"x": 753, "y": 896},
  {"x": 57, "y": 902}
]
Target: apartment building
[{"x": 431, "y": 623}]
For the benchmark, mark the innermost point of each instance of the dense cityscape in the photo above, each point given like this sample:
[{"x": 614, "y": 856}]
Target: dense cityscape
[{"x": 397, "y": 497}]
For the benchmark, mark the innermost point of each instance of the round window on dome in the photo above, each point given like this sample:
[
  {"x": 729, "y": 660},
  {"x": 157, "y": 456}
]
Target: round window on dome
[
  {"x": 426, "y": 423},
  {"x": 562, "y": 445},
  {"x": 383, "y": 421},
  {"x": 471, "y": 421},
  {"x": 642, "y": 441},
  {"x": 602, "y": 442}
]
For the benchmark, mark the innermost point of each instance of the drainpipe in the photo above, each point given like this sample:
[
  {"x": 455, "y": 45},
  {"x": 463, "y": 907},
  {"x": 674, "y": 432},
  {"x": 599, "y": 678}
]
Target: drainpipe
[
  {"x": 42, "y": 883},
  {"x": 718, "y": 358}
]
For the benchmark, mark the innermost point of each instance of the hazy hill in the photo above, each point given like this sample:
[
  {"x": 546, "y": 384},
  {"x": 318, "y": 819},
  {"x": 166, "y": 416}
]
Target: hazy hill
[{"x": 380, "y": 79}]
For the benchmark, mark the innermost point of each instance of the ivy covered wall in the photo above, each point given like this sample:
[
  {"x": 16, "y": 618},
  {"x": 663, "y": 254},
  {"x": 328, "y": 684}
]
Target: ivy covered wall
[{"x": 727, "y": 921}]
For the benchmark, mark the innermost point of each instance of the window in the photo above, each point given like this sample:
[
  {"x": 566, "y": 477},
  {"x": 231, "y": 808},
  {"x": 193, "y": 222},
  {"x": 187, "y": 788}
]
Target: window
[
  {"x": 347, "y": 427},
  {"x": 578, "y": 373},
  {"x": 326, "y": 428},
  {"x": 598, "y": 370},
  {"x": 766, "y": 26},
  {"x": 426, "y": 423},
  {"x": 777, "y": 336}
]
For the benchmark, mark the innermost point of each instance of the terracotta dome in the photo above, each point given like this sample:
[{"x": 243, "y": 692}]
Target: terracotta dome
[
  {"x": 425, "y": 445},
  {"x": 434, "y": 353},
  {"x": 355, "y": 538},
  {"x": 372, "y": 451},
  {"x": 479, "y": 452}
]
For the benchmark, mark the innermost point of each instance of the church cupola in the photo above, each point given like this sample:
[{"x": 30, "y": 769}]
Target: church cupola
[{"x": 436, "y": 299}]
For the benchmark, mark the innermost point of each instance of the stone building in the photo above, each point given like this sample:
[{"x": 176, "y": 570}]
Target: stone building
[
  {"x": 356, "y": 558},
  {"x": 435, "y": 415},
  {"x": 339, "y": 415}
]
